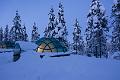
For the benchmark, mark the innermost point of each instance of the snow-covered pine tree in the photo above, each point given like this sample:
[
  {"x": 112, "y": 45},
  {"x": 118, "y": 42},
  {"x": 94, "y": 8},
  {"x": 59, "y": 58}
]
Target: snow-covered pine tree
[
  {"x": 6, "y": 33},
  {"x": 1, "y": 34},
  {"x": 96, "y": 30},
  {"x": 78, "y": 43},
  {"x": 16, "y": 30},
  {"x": 35, "y": 34},
  {"x": 12, "y": 35},
  {"x": 116, "y": 26},
  {"x": 60, "y": 31},
  {"x": 51, "y": 25},
  {"x": 25, "y": 36}
]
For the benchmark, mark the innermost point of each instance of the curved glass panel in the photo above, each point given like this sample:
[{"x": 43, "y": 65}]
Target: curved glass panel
[
  {"x": 42, "y": 46},
  {"x": 50, "y": 45},
  {"x": 47, "y": 48}
]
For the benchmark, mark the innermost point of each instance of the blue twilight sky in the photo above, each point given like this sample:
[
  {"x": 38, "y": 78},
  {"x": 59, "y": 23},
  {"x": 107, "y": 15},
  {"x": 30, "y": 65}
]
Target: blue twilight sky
[{"x": 37, "y": 11}]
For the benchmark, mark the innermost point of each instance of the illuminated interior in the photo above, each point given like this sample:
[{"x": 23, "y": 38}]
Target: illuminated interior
[{"x": 50, "y": 45}]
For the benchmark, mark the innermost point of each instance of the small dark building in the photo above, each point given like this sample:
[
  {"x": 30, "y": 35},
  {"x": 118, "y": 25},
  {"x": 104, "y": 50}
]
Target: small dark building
[{"x": 7, "y": 44}]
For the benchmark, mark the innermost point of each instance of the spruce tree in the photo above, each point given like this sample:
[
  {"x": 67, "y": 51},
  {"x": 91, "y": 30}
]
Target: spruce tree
[
  {"x": 35, "y": 34},
  {"x": 78, "y": 43},
  {"x": 12, "y": 35},
  {"x": 25, "y": 36},
  {"x": 96, "y": 30},
  {"x": 1, "y": 34},
  {"x": 16, "y": 30},
  {"x": 51, "y": 25},
  {"x": 60, "y": 31},
  {"x": 6, "y": 33},
  {"x": 116, "y": 26}
]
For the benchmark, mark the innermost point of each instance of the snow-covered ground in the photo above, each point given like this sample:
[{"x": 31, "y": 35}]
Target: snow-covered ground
[
  {"x": 5, "y": 50},
  {"x": 5, "y": 57},
  {"x": 73, "y": 67}
]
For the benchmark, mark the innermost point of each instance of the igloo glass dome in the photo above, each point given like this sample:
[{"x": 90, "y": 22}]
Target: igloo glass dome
[{"x": 50, "y": 45}]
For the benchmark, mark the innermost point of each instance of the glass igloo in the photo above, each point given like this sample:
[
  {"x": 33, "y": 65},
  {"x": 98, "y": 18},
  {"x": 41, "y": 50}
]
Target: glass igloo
[{"x": 50, "y": 45}]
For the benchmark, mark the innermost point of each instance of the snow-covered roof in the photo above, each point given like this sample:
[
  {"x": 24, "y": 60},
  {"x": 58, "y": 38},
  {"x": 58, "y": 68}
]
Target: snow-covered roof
[
  {"x": 115, "y": 54},
  {"x": 5, "y": 50},
  {"x": 27, "y": 45}
]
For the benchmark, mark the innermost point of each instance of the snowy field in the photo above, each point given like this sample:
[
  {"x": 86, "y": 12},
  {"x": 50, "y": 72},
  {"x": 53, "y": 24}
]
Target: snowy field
[
  {"x": 73, "y": 67},
  {"x": 6, "y": 56}
]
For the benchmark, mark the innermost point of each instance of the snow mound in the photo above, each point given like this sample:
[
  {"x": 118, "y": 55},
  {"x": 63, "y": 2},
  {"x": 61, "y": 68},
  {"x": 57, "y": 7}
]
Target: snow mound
[
  {"x": 27, "y": 45},
  {"x": 116, "y": 55}
]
